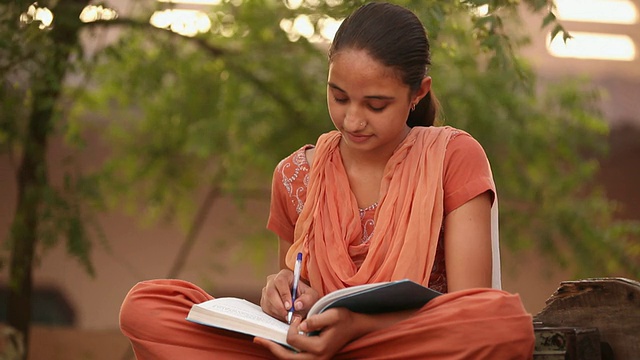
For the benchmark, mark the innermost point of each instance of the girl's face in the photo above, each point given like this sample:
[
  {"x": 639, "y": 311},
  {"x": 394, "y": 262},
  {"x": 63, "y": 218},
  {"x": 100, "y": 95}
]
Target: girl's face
[{"x": 368, "y": 103}]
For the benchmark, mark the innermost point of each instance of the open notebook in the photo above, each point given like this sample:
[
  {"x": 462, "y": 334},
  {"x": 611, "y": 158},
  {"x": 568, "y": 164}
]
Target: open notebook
[{"x": 245, "y": 317}]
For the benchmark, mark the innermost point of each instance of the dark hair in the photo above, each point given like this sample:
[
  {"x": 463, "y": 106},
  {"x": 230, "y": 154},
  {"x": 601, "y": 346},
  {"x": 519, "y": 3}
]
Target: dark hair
[{"x": 395, "y": 37}]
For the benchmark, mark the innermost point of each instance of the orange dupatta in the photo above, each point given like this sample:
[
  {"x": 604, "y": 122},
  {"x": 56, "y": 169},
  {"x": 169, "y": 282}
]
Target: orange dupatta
[{"x": 407, "y": 221}]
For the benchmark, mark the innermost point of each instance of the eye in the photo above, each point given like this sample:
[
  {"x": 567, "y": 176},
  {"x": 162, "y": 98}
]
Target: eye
[
  {"x": 377, "y": 108},
  {"x": 340, "y": 100},
  {"x": 377, "y": 105}
]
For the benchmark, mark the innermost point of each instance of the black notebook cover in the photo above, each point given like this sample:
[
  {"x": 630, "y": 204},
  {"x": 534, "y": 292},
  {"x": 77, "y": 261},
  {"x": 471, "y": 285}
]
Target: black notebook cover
[{"x": 393, "y": 296}]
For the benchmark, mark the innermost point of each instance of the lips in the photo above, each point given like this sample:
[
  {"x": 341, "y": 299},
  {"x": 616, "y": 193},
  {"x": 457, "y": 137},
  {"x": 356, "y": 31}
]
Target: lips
[{"x": 358, "y": 138}]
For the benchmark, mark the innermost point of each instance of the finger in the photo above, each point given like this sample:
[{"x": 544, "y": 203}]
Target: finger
[
  {"x": 279, "y": 286},
  {"x": 307, "y": 296},
  {"x": 283, "y": 282},
  {"x": 267, "y": 290},
  {"x": 318, "y": 322},
  {"x": 296, "y": 337},
  {"x": 294, "y": 328},
  {"x": 303, "y": 303},
  {"x": 271, "y": 300}
]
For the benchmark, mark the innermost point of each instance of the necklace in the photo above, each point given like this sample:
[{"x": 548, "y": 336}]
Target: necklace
[{"x": 368, "y": 208}]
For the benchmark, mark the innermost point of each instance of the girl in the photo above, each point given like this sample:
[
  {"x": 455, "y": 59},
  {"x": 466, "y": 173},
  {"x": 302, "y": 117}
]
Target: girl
[{"x": 386, "y": 196}]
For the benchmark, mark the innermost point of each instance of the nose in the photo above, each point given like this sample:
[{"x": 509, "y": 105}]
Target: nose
[{"x": 353, "y": 119}]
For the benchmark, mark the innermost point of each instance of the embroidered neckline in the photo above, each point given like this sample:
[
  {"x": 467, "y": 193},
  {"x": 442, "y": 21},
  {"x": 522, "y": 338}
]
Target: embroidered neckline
[{"x": 368, "y": 208}]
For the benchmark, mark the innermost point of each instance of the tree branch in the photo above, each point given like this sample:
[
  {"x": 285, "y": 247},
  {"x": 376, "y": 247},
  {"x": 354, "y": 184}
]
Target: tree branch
[{"x": 145, "y": 25}]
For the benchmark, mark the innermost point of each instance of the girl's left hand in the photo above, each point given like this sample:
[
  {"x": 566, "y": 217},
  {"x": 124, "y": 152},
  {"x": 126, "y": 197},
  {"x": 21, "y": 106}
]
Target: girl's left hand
[{"x": 337, "y": 327}]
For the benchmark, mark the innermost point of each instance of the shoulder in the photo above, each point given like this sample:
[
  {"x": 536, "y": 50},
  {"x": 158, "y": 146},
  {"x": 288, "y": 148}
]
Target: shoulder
[
  {"x": 297, "y": 159},
  {"x": 462, "y": 145},
  {"x": 303, "y": 157},
  {"x": 292, "y": 173},
  {"x": 467, "y": 172},
  {"x": 455, "y": 140},
  {"x": 435, "y": 134}
]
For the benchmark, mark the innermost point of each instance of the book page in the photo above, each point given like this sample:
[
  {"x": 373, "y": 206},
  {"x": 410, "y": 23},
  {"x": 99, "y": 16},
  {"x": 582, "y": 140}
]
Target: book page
[{"x": 245, "y": 311}]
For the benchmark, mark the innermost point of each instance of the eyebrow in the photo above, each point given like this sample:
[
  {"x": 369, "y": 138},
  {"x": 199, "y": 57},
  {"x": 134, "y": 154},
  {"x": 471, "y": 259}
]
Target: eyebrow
[{"x": 377, "y": 97}]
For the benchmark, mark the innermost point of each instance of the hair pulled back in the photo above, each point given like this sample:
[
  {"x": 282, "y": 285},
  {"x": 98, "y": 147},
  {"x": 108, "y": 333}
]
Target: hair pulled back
[{"x": 394, "y": 36}]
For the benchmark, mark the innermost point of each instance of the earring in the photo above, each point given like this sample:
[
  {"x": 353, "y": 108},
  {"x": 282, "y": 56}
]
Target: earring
[{"x": 413, "y": 106}]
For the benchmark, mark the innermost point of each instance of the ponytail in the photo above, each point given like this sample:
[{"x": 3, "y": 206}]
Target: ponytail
[{"x": 426, "y": 111}]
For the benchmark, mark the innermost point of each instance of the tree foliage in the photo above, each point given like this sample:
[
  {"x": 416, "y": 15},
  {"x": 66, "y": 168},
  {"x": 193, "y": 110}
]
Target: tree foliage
[
  {"x": 544, "y": 141},
  {"x": 237, "y": 100}
]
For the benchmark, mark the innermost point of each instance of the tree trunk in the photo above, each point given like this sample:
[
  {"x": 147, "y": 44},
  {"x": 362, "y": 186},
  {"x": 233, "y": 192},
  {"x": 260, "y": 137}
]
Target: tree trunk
[{"x": 32, "y": 177}]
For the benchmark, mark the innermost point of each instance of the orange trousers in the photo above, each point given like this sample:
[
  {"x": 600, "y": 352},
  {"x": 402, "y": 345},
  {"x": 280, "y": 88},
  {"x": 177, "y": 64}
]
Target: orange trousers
[{"x": 470, "y": 324}]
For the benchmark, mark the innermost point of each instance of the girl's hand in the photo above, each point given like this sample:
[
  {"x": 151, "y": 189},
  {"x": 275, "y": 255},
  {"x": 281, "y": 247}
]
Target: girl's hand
[
  {"x": 337, "y": 327},
  {"x": 276, "y": 296}
]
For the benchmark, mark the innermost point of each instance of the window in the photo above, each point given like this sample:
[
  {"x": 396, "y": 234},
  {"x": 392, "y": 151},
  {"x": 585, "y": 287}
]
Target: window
[
  {"x": 595, "y": 44},
  {"x": 49, "y": 307}
]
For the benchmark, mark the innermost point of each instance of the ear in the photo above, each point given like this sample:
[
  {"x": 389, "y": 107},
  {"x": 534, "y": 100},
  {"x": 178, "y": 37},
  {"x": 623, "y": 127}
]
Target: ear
[{"x": 423, "y": 90}]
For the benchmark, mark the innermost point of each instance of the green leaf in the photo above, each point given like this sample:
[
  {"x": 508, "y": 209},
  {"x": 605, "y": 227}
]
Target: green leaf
[
  {"x": 556, "y": 30},
  {"x": 548, "y": 19}
]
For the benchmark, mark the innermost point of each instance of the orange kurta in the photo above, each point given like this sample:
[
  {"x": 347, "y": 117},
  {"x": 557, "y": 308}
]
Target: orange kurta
[
  {"x": 408, "y": 219},
  {"x": 470, "y": 324}
]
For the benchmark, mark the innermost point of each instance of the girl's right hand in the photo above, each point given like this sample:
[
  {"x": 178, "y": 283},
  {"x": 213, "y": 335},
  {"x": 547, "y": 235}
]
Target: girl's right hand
[{"x": 276, "y": 296}]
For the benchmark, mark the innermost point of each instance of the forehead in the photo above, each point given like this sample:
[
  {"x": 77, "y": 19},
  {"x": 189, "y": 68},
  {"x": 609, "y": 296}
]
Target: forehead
[{"x": 356, "y": 69}]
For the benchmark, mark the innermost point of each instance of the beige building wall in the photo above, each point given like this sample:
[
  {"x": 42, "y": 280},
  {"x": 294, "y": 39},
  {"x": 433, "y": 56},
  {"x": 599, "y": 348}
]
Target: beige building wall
[{"x": 219, "y": 261}]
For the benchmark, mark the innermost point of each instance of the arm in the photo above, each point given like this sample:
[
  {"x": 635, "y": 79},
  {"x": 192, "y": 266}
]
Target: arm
[
  {"x": 467, "y": 241},
  {"x": 283, "y": 247}
]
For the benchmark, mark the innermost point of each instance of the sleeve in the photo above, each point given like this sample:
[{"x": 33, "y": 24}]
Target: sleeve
[
  {"x": 467, "y": 172},
  {"x": 288, "y": 193}
]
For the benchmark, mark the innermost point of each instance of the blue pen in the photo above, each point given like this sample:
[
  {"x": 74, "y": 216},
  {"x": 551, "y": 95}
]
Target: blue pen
[{"x": 294, "y": 289}]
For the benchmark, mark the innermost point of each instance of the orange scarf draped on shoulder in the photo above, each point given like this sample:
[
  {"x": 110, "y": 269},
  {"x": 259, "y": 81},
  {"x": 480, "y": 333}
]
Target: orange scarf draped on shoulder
[{"x": 407, "y": 221}]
